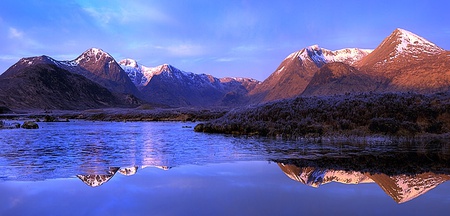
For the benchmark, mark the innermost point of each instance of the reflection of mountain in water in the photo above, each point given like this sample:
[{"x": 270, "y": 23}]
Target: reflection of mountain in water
[
  {"x": 128, "y": 171},
  {"x": 95, "y": 180},
  {"x": 403, "y": 185}
]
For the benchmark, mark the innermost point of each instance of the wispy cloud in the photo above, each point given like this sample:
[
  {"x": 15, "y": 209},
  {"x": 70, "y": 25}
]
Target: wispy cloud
[
  {"x": 225, "y": 59},
  {"x": 123, "y": 13},
  {"x": 9, "y": 57},
  {"x": 21, "y": 40},
  {"x": 174, "y": 50},
  {"x": 184, "y": 50},
  {"x": 102, "y": 16},
  {"x": 15, "y": 33}
]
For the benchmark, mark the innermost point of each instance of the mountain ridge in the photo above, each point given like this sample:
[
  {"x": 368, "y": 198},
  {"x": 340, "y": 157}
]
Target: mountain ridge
[{"x": 295, "y": 72}]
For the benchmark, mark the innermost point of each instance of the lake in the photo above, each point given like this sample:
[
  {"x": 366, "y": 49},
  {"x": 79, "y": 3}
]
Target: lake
[{"x": 164, "y": 168}]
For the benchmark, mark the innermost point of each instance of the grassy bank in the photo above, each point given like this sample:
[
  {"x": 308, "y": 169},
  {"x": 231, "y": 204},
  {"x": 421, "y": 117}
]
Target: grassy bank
[{"x": 389, "y": 114}]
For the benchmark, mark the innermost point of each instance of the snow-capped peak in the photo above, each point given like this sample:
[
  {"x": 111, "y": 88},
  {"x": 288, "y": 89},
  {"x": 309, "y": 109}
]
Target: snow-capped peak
[
  {"x": 94, "y": 54},
  {"x": 408, "y": 40}
]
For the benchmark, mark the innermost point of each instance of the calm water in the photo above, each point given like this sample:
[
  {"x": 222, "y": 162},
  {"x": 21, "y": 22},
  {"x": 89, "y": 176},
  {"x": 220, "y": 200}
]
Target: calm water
[{"x": 164, "y": 168}]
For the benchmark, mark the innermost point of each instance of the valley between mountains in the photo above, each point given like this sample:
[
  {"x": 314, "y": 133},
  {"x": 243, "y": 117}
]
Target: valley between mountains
[{"x": 400, "y": 88}]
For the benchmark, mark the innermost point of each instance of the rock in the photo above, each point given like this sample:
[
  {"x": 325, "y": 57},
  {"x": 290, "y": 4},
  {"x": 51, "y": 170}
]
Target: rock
[
  {"x": 199, "y": 128},
  {"x": 48, "y": 118},
  {"x": 30, "y": 125}
]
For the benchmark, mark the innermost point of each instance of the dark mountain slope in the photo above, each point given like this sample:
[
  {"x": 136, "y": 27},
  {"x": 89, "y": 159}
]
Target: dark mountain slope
[
  {"x": 38, "y": 83},
  {"x": 339, "y": 78}
]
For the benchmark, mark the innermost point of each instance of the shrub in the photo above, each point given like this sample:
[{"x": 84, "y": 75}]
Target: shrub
[{"x": 384, "y": 125}]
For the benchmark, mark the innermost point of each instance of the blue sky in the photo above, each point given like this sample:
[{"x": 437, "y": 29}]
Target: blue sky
[{"x": 223, "y": 38}]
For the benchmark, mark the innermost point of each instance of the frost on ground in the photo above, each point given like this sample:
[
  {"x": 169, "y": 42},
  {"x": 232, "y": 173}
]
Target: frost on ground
[{"x": 391, "y": 114}]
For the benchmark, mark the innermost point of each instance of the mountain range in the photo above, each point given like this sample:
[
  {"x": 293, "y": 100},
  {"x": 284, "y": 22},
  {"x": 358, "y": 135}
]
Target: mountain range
[
  {"x": 403, "y": 62},
  {"x": 168, "y": 85}
]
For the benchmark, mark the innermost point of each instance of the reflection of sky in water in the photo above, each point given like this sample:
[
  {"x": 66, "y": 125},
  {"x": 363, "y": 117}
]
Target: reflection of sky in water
[
  {"x": 242, "y": 188},
  {"x": 66, "y": 149},
  {"x": 210, "y": 174}
]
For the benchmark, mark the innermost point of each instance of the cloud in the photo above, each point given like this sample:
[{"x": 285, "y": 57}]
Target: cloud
[{"x": 15, "y": 33}]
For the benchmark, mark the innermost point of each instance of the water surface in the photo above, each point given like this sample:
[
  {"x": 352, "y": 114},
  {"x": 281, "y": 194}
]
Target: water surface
[{"x": 164, "y": 168}]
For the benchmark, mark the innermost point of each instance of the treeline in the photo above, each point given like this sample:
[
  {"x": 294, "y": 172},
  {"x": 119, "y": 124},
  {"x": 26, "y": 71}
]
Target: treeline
[{"x": 394, "y": 114}]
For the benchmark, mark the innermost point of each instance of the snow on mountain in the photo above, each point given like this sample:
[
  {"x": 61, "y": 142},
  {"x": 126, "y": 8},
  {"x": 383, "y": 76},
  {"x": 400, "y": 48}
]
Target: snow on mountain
[
  {"x": 166, "y": 84},
  {"x": 141, "y": 75},
  {"x": 128, "y": 171},
  {"x": 316, "y": 177},
  {"x": 399, "y": 49},
  {"x": 347, "y": 55},
  {"x": 403, "y": 188},
  {"x": 94, "y": 54},
  {"x": 296, "y": 71},
  {"x": 321, "y": 56},
  {"x": 411, "y": 43}
]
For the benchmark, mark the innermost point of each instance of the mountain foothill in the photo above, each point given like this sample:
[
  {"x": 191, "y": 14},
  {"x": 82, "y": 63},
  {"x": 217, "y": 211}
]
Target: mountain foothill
[{"x": 403, "y": 63}]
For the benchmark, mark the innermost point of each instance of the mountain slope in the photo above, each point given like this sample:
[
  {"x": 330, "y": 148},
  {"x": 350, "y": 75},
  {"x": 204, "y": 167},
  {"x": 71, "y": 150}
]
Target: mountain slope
[
  {"x": 398, "y": 49},
  {"x": 339, "y": 78},
  {"x": 177, "y": 88},
  {"x": 100, "y": 67},
  {"x": 39, "y": 83},
  {"x": 296, "y": 71},
  {"x": 408, "y": 62}
]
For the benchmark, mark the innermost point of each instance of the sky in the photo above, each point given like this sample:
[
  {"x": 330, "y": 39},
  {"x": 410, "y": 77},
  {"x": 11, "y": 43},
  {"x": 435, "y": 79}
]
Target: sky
[{"x": 237, "y": 38}]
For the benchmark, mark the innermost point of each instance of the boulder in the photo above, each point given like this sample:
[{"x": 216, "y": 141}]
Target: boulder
[{"x": 30, "y": 125}]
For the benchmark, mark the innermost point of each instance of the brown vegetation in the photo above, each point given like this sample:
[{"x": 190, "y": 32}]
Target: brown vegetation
[{"x": 392, "y": 114}]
